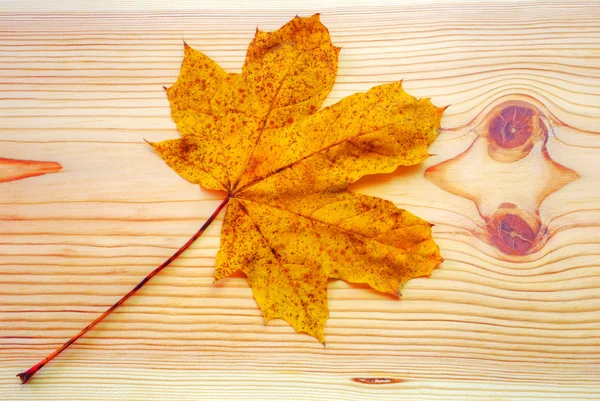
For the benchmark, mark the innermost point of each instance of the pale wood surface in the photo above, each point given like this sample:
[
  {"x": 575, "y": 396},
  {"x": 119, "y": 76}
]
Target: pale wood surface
[{"x": 84, "y": 89}]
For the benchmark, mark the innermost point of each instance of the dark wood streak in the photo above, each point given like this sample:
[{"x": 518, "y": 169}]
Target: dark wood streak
[
  {"x": 377, "y": 380},
  {"x": 13, "y": 169}
]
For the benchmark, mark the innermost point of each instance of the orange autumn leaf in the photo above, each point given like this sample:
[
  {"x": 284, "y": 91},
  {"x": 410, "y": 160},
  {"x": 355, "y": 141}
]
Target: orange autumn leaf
[
  {"x": 291, "y": 223},
  {"x": 286, "y": 165}
]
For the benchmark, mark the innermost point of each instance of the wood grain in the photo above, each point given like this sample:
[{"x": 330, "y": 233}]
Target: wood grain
[{"x": 84, "y": 88}]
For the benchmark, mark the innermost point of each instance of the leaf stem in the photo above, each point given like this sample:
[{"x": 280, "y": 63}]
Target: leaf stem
[{"x": 28, "y": 374}]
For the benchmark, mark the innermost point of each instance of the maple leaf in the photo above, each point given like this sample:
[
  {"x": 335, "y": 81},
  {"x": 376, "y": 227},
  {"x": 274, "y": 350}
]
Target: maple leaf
[{"x": 291, "y": 223}]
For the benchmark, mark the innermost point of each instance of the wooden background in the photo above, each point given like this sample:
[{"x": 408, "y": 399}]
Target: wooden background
[{"x": 83, "y": 87}]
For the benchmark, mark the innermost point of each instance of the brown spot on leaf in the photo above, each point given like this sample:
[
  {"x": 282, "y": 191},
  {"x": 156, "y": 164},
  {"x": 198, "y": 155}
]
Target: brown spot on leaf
[{"x": 187, "y": 146}]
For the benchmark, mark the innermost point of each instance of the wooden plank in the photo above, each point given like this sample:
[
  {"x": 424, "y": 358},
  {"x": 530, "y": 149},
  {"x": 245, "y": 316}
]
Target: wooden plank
[{"x": 82, "y": 87}]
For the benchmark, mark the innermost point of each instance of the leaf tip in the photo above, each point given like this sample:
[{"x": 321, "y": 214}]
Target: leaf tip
[
  {"x": 315, "y": 18},
  {"x": 443, "y": 108},
  {"x": 152, "y": 144}
]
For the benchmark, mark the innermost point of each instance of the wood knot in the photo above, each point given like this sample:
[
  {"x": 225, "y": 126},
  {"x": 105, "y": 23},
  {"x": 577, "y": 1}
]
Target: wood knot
[
  {"x": 514, "y": 231},
  {"x": 512, "y": 129}
]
